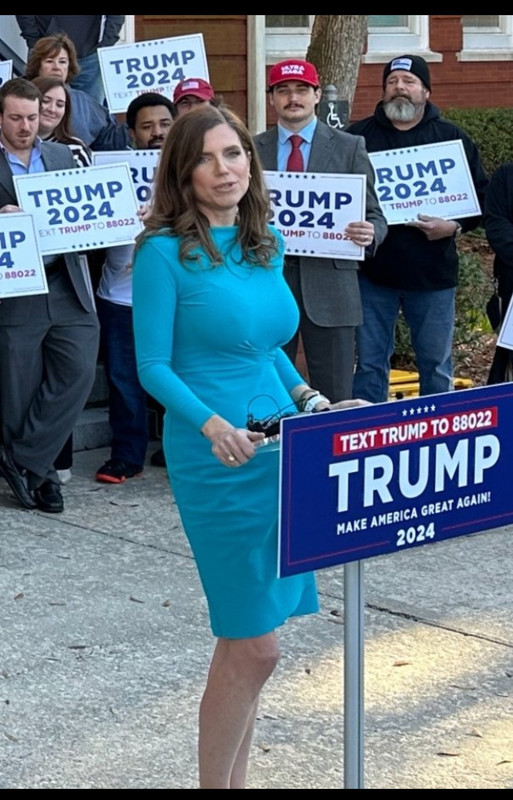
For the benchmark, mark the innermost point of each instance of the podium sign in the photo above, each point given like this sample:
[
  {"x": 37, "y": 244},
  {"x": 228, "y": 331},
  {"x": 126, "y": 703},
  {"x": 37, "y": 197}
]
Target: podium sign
[{"x": 387, "y": 477}]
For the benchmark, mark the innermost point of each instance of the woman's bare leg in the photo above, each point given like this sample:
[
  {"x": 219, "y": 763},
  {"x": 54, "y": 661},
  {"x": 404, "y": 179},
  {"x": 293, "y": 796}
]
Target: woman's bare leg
[
  {"x": 240, "y": 766},
  {"x": 238, "y": 671}
]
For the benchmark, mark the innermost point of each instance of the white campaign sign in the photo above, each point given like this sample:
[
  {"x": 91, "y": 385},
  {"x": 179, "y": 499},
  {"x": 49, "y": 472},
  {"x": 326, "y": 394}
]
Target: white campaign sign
[
  {"x": 150, "y": 66},
  {"x": 21, "y": 266},
  {"x": 142, "y": 163},
  {"x": 311, "y": 210},
  {"x": 81, "y": 209},
  {"x": 433, "y": 179},
  {"x": 505, "y": 335},
  {"x": 5, "y": 71}
]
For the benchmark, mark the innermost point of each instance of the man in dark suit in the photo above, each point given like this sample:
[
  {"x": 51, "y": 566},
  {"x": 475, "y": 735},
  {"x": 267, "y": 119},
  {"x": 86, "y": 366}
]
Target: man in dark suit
[
  {"x": 325, "y": 289},
  {"x": 48, "y": 342}
]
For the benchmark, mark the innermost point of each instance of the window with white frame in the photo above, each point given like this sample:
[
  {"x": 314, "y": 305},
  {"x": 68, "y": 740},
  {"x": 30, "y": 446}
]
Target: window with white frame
[
  {"x": 487, "y": 37},
  {"x": 396, "y": 33},
  {"x": 288, "y": 36}
]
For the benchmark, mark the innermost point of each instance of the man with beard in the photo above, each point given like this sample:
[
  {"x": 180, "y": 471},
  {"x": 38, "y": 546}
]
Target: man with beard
[
  {"x": 326, "y": 289},
  {"x": 149, "y": 118},
  {"x": 416, "y": 267}
]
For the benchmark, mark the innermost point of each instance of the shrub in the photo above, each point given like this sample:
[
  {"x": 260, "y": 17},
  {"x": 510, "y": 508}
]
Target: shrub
[
  {"x": 490, "y": 128},
  {"x": 474, "y": 289}
]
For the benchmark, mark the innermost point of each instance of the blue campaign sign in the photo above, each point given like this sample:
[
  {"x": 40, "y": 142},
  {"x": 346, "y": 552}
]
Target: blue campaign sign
[{"x": 363, "y": 482}]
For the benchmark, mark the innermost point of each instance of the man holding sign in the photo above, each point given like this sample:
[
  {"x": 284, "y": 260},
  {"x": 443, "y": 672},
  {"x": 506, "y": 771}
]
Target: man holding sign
[
  {"x": 326, "y": 289},
  {"x": 149, "y": 117},
  {"x": 48, "y": 342},
  {"x": 416, "y": 267}
]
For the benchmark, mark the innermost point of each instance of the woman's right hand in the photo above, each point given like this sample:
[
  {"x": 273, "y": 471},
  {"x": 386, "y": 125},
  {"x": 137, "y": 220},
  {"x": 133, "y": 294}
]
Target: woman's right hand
[{"x": 232, "y": 446}]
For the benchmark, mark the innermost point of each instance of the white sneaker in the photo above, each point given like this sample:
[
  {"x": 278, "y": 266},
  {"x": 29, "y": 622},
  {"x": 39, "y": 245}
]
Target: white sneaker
[{"x": 64, "y": 476}]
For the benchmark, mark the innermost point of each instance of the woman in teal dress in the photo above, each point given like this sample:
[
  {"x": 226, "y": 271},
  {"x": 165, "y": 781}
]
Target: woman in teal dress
[{"x": 211, "y": 311}]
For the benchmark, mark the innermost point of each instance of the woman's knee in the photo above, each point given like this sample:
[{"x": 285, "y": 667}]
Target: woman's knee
[{"x": 259, "y": 655}]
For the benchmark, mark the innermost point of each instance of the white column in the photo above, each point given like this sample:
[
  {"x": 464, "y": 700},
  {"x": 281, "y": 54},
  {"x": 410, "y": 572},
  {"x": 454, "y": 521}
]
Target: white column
[{"x": 256, "y": 85}]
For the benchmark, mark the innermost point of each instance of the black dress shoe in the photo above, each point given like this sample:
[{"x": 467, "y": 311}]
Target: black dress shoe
[
  {"x": 15, "y": 478},
  {"x": 48, "y": 497}
]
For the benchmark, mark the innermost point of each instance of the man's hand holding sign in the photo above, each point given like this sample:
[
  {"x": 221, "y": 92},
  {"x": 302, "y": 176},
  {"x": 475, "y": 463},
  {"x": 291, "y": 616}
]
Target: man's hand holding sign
[{"x": 434, "y": 227}]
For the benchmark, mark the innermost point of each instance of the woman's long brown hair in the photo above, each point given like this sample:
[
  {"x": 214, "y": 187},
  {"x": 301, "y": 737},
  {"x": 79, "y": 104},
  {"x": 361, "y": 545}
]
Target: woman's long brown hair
[{"x": 174, "y": 207}]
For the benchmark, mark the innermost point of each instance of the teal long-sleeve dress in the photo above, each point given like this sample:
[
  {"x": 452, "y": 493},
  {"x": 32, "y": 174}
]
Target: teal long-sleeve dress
[{"x": 208, "y": 341}]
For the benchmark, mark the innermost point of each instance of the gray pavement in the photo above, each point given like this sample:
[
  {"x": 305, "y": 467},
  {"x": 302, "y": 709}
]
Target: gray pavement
[{"x": 105, "y": 644}]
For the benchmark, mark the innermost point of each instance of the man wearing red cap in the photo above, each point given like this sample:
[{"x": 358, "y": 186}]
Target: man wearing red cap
[
  {"x": 416, "y": 268},
  {"x": 192, "y": 92},
  {"x": 325, "y": 289}
]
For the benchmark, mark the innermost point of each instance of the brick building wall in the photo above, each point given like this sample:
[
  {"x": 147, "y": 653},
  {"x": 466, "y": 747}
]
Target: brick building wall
[
  {"x": 454, "y": 83},
  {"x": 225, "y": 38},
  {"x": 461, "y": 84}
]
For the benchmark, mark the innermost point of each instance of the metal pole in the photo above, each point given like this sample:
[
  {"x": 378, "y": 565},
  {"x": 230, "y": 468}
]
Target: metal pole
[{"x": 353, "y": 675}]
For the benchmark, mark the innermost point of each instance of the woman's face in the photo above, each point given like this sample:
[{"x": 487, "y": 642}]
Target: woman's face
[
  {"x": 56, "y": 66},
  {"x": 52, "y": 110},
  {"x": 221, "y": 177}
]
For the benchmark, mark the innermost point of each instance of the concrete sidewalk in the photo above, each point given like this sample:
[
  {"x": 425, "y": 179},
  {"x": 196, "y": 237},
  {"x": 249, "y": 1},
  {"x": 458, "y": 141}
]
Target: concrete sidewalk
[{"x": 105, "y": 645}]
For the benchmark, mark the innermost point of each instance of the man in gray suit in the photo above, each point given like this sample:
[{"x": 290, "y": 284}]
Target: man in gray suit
[
  {"x": 325, "y": 289},
  {"x": 48, "y": 342}
]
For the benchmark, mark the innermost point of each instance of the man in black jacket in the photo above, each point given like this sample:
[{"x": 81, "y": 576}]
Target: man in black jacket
[
  {"x": 416, "y": 268},
  {"x": 88, "y": 32}
]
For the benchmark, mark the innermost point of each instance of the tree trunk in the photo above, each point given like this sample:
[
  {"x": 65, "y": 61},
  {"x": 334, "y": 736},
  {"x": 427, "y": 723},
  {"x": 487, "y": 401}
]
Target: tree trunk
[{"x": 336, "y": 46}]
